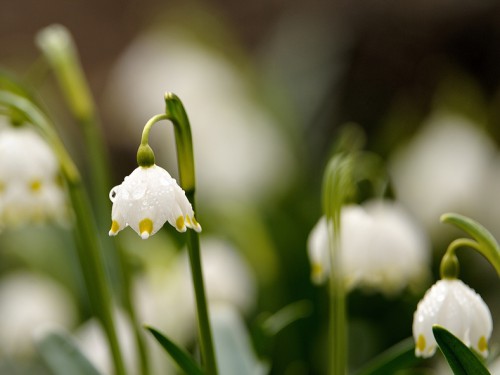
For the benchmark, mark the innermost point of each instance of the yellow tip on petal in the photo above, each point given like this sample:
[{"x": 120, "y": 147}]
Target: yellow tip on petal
[
  {"x": 35, "y": 186},
  {"x": 180, "y": 224},
  {"x": 196, "y": 226},
  {"x": 145, "y": 228},
  {"x": 115, "y": 227},
  {"x": 316, "y": 271},
  {"x": 482, "y": 344},
  {"x": 421, "y": 343}
]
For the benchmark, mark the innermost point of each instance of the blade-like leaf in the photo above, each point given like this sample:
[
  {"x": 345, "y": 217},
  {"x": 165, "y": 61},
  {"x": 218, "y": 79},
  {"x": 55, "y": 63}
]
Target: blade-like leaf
[
  {"x": 399, "y": 356},
  {"x": 460, "y": 358},
  {"x": 61, "y": 354},
  {"x": 183, "y": 359},
  {"x": 275, "y": 323},
  {"x": 488, "y": 246}
]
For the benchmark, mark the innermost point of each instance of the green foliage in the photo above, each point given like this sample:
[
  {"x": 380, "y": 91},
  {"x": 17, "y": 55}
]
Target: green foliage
[
  {"x": 398, "y": 357},
  {"x": 486, "y": 243},
  {"x": 62, "y": 355},
  {"x": 460, "y": 358},
  {"x": 183, "y": 359}
]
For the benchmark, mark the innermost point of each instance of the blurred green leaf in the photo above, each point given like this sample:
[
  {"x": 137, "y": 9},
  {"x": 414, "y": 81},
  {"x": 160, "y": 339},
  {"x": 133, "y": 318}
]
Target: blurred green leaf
[
  {"x": 275, "y": 323},
  {"x": 460, "y": 358},
  {"x": 183, "y": 359},
  {"x": 399, "y": 356},
  {"x": 62, "y": 355},
  {"x": 488, "y": 246}
]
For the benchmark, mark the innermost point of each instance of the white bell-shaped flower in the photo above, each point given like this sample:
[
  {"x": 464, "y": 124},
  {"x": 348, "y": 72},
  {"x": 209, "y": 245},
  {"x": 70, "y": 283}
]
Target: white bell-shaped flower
[
  {"x": 148, "y": 198},
  {"x": 455, "y": 306},
  {"x": 382, "y": 248},
  {"x": 30, "y": 184}
]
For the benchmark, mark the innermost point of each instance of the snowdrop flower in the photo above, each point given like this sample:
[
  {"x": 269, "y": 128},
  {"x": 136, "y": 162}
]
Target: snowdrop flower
[
  {"x": 443, "y": 168},
  {"x": 147, "y": 199},
  {"x": 228, "y": 123},
  {"x": 30, "y": 185},
  {"x": 455, "y": 306},
  {"x": 28, "y": 302},
  {"x": 382, "y": 248}
]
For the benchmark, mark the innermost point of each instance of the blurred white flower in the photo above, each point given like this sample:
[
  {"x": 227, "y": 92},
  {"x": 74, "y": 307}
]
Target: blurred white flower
[
  {"x": 27, "y": 302},
  {"x": 147, "y": 199},
  {"x": 94, "y": 344},
  {"x": 382, "y": 248},
  {"x": 233, "y": 346},
  {"x": 165, "y": 297},
  {"x": 239, "y": 146},
  {"x": 444, "y": 168},
  {"x": 455, "y": 306},
  {"x": 30, "y": 185}
]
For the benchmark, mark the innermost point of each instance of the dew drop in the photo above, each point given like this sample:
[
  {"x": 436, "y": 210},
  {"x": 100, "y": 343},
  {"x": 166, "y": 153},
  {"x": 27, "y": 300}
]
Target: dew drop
[
  {"x": 139, "y": 192},
  {"x": 113, "y": 193}
]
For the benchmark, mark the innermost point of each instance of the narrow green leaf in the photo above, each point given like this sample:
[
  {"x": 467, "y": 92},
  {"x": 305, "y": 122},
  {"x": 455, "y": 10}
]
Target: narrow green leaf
[
  {"x": 183, "y": 359},
  {"x": 275, "y": 323},
  {"x": 61, "y": 354},
  {"x": 398, "y": 357},
  {"x": 460, "y": 358},
  {"x": 488, "y": 246}
]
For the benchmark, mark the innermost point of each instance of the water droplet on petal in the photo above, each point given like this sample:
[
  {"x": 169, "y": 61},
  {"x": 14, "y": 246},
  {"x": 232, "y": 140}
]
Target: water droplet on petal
[
  {"x": 139, "y": 192},
  {"x": 113, "y": 193}
]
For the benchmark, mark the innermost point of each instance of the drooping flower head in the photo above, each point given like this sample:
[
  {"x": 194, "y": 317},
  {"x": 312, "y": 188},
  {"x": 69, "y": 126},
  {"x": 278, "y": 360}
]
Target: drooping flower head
[
  {"x": 455, "y": 306},
  {"x": 147, "y": 199},
  {"x": 381, "y": 247},
  {"x": 30, "y": 184}
]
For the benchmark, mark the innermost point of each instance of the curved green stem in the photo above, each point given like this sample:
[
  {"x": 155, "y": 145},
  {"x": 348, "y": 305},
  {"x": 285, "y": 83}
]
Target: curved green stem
[
  {"x": 486, "y": 244},
  {"x": 175, "y": 113},
  {"x": 88, "y": 245},
  {"x": 449, "y": 267}
]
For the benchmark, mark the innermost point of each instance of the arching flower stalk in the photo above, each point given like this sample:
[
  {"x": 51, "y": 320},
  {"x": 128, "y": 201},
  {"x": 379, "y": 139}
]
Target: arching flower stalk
[{"x": 149, "y": 197}]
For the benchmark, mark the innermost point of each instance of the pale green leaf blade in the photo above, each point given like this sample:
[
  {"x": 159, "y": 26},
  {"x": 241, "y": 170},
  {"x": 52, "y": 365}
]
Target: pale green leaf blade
[{"x": 61, "y": 354}]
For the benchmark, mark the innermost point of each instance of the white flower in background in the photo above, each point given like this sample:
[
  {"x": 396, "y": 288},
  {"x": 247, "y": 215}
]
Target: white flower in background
[
  {"x": 455, "y": 306},
  {"x": 30, "y": 184},
  {"x": 28, "y": 302},
  {"x": 381, "y": 247},
  {"x": 164, "y": 296},
  {"x": 444, "y": 168},
  {"x": 240, "y": 147},
  {"x": 233, "y": 345},
  {"x": 147, "y": 199},
  {"x": 92, "y": 341}
]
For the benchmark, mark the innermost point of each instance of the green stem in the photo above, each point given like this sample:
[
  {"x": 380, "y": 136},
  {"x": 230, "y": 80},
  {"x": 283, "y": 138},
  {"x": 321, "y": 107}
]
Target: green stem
[
  {"x": 59, "y": 49},
  {"x": 88, "y": 245},
  {"x": 206, "y": 341},
  {"x": 337, "y": 186},
  {"x": 449, "y": 267},
  {"x": 176, "y": 113},
  {"x": 338, "y": 341}
]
